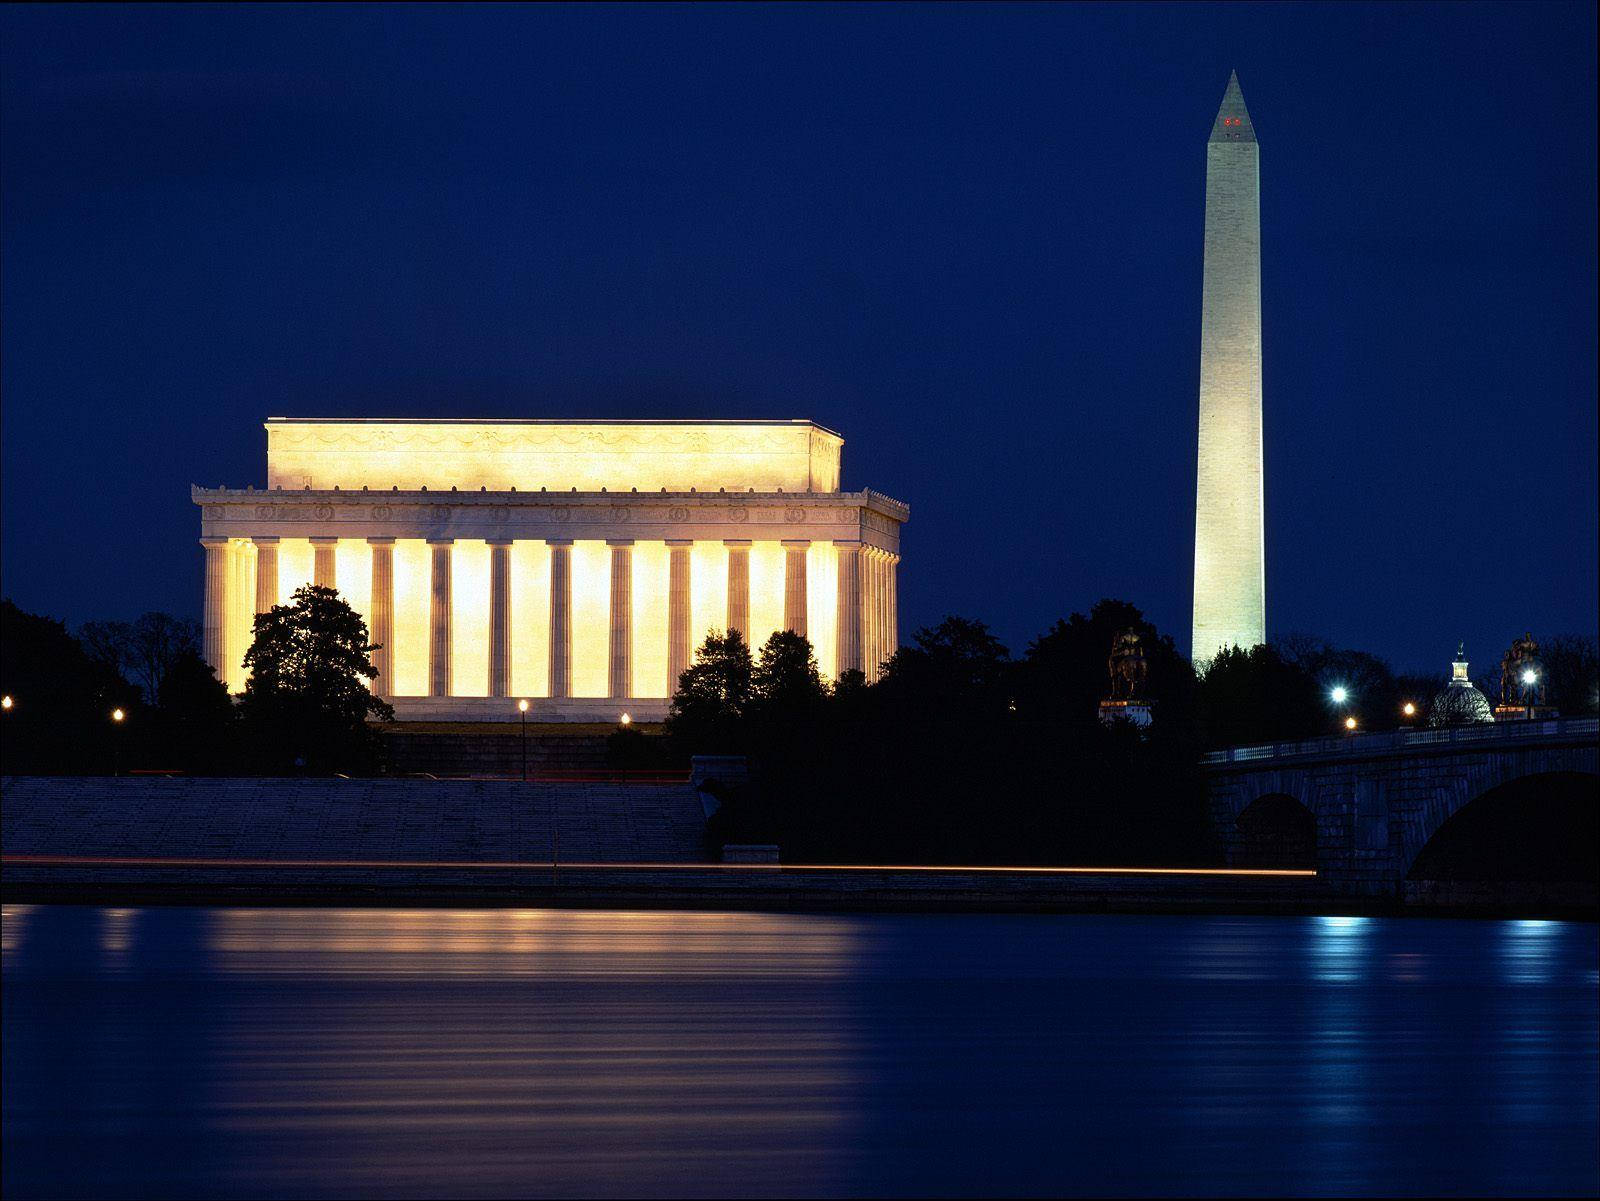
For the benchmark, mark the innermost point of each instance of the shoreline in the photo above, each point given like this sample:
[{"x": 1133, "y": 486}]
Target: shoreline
[{"x": 763, "y": 888}]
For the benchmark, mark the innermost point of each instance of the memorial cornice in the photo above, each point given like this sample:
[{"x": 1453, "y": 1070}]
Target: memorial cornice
[{"x": 426, "y": 513}]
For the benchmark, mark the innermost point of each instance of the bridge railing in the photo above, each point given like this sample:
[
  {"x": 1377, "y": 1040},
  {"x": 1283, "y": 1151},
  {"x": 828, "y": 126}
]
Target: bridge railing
[{"x": 1366, "y": 744}]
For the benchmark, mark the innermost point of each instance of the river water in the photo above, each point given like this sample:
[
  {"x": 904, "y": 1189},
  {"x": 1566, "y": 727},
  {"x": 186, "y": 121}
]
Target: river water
[{"x": 426, "y": 1052}]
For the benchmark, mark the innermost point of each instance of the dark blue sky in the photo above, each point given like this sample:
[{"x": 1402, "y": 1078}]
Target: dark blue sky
[{"x": 968, "y": 238}]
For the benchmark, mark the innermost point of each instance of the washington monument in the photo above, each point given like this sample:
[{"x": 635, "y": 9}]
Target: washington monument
[{"x": 1229, "y": 554}]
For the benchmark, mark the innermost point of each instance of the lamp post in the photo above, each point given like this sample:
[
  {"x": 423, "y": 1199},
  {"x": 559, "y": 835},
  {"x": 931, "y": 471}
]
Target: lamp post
[
  {"x": 1340, "y": 696},
  {"x": 522, "y": 716},
  {"x": 6, "y": 703},
  {"x": 1529, "y": 679},
  {"x": 117, "y": 718}
]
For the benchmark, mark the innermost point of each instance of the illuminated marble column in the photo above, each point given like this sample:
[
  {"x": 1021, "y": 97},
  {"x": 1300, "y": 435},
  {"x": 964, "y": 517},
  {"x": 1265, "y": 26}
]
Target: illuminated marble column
[
  {"x": 215, "y": 628},
  {"x": 382, "y": 631},
  {"x": 499, "y": 617},
  {"x": 739, "y": 585},
  {"x": 560, "y": 618},
  {"x": 621, "y": 647},
  {"x": 323, "y": 572},
  {"x": 894, "y": 603},
  {"x": 678, "y": 609},
  {"x": 880, "y": 606},
  {"x": 847, "y": 626},
  {"x": 872, "y": 648},
  {"x": 439, "y": 619},
  {"x": 266, "y": 572},
  {"x": 794, "y": 584}
]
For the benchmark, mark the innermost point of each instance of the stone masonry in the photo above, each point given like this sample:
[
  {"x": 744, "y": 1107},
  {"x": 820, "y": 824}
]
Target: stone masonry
[{"x": 1378, "y": 798}]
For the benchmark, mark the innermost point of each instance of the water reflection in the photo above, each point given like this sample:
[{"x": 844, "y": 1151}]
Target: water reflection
[
  {"x": 528, "y": 942},
  {"x": 13, "y": 921},
  {"x": 432, "y": 1052}
]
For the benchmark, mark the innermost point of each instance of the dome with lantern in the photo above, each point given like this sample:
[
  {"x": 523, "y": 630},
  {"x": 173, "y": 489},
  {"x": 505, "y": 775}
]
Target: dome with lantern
[{"x": 1460, "y": 703}]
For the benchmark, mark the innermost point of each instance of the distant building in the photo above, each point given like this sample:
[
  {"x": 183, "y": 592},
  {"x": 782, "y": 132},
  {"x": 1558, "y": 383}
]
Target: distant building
[
  {"x": 1460, "y": 703},
  {"x": 577, "y": 565}
]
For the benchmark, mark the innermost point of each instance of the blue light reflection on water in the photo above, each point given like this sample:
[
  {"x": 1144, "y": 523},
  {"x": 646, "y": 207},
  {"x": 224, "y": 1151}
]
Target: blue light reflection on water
[{"x": 298, "y": 1052}]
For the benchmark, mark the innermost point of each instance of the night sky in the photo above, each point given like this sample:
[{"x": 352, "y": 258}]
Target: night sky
[{"x": 967, "y": 238}]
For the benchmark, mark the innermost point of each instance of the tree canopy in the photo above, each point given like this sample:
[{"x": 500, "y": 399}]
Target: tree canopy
[
  {"x": 308, "y": 697},
  {"x": 143, "y": 650},
  {"x": 62, "y": 698},
  {"x": 961, "y": 754},
  {"x": 713, "y": 692}
]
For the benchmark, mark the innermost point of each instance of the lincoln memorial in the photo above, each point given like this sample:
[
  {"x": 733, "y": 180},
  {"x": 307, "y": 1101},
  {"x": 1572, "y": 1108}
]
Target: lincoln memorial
[{"x": 576, "y": 565}]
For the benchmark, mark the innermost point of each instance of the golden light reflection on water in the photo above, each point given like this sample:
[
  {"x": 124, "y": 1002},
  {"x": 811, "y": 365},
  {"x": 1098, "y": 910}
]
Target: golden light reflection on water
[
  {"x": 436, "y": 1052},
  {"x": 541, "y": 1051},
  {"x": 116, "y": 931},
  {"x": 13, "y": 921},
  {"x": 533, "y": 941}
]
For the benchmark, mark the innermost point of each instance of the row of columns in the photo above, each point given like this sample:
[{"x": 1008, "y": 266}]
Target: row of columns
[{"x": 866, "y": 611}]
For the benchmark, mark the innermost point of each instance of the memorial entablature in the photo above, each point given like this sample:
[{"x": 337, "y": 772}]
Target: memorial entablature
[{"x": 577, "y": 565}]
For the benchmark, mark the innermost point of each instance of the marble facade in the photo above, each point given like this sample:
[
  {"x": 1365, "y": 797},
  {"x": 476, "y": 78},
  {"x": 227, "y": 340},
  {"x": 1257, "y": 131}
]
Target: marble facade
[{"x": 576, "y": 565}]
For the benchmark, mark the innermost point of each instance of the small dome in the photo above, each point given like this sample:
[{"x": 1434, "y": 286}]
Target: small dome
[{"x": 1460, "y": 703}]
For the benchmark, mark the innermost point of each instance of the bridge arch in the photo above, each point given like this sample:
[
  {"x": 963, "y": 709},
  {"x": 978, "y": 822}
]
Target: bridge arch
[
  {"x": 1275, "y": 830},
  {"x": 1479, "y": 777},
  {"x": 1530, "y": 826},
  {"x": 1379, "y": 799}
]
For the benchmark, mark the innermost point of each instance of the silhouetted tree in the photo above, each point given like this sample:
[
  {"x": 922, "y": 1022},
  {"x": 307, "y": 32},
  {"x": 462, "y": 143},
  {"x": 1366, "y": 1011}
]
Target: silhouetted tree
[
  {"x": 706, "y": 714},
  {"x": 1063, "y": 677},
  {"x": 143, "y": 650},
  {"x": 195, "y": 720},
  {"x": 1258, "y": 696},
  {"x": 1419, "y": 689},
  {"x": 939, "y": 761},
  {"x": 307, "y": 702},
  {"x": 1373, "y": 695},
  {"x": 1571, "y": 673},
  {"x": 59, "y": 722},
  {"x": 785, "y": 679}
]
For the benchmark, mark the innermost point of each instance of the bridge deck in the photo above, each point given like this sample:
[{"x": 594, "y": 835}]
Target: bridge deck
[{"x": 1566, "y": 731}]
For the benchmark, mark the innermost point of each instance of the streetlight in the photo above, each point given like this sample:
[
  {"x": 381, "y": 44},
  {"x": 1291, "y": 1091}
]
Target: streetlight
[
  {"x": 1529, "y": 679},
  {"x": 626, "y": 719},
  {"x": 7, "y": 703},
  {"x": 522, "y": 716},
  {"x": 1350, "y": 724},
  {"x": 1408, "y": 709},
  {"x": 117, "y": 717},
  {"x": 1339, "y": 695}
]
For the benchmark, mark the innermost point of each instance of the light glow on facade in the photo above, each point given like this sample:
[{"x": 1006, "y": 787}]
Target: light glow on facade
[
  {"x": 766, "y": 456},
  {"x": 822, "y": 605},
  {"x": 708, "y": 591},
  {"x": 591, "y": 619},
  {"x": 766, "y": 594},
  {"x": 469, "y": 617},
  {"x": 650, "y": 564},
  {"x": 295, "y": 563},
  {"x": 408, "y": 660},
  {"x": 352, "y": 559},
  {"x": 744, "y": 526},
  {"x": 241, "y": 616},
  {"x": 530, "y": 618}
]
